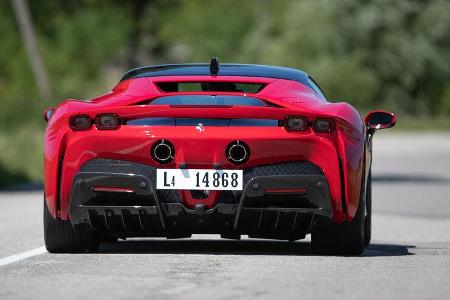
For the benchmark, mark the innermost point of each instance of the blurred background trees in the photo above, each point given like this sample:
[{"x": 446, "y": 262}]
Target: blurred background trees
[{"x": 374, "y": 54}]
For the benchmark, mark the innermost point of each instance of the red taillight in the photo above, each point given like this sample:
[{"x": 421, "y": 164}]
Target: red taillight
[
  {"x": 80, "y": 122},
  {"x": 107, "y": 121},
  {"x": 294, "y": 123},
  {"x": 324, "y": 125}
]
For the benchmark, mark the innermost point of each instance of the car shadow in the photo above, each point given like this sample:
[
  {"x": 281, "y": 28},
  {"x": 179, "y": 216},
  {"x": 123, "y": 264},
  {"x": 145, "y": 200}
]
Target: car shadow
[
  {"x": 408, "y": 178},
  {"x": 242, "y": 247}
]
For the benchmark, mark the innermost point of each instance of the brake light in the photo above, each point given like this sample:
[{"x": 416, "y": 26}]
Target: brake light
[
  {"x": 107, "y": 121},
  {"x": 293, "y": 124},
  {"x": 80, "y": 122},
  {"x": 324, "y": 125}
]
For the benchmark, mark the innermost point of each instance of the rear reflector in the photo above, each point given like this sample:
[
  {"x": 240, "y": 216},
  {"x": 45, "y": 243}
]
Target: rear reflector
[
  {"x": 286, "y": 191},
  {"x": 80, "y": 122},
  {"x": 107, "y": 189}
]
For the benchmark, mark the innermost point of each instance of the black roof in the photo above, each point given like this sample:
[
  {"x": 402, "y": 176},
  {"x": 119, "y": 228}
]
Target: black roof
[{"x": 225, "y": 70}]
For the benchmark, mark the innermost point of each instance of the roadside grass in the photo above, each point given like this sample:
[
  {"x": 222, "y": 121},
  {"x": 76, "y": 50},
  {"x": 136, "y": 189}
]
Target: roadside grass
[{"x": 21, "y": 155}]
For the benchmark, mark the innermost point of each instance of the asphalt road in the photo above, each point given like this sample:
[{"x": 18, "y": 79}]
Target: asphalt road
[{"x": 409, "y": 256}]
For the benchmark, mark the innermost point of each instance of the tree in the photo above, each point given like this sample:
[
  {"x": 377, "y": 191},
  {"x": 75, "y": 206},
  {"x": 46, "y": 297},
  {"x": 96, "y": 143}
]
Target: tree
[{"x": 31, "y": 45}]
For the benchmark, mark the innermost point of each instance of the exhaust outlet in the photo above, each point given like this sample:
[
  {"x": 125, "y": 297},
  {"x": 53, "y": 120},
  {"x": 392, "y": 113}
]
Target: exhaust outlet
[
  {"x": 163, "y": 151},
  {"x": 237, "y": 152}
]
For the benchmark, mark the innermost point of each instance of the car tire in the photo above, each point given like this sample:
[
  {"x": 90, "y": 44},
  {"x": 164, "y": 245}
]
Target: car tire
[
  {"x": 368, "y": 217},
  {"x": 346, "y": 238},
  {"x": 60, "y": 236},
  {"x": 107, "y": 239}
]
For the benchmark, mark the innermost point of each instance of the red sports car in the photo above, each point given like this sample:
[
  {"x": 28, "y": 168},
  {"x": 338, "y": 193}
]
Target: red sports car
[{"x": 229, "y": 149}]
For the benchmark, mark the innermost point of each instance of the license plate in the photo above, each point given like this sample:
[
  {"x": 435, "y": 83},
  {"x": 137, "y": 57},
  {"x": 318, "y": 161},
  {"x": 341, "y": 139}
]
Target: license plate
[{"x": 199, "y": 179}]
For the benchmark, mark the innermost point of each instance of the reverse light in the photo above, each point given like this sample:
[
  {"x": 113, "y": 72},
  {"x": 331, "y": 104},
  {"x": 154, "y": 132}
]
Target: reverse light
[
  {"x": 107, "y": 121},
  {"x": 80, "y": 122},
  {"x": 293, "y": 124},
  {"x": 324, "y": 125}
]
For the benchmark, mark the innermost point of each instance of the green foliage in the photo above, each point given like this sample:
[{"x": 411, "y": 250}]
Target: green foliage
[
  {"x": 381, "y": 53},
  {"x": 82, "y": 46},
  {"x": 77, "y": 44},
  {"x": 16, "y": 81},
  {"x": 198, "y": 30},
  {"x": 21, "y": 154}
]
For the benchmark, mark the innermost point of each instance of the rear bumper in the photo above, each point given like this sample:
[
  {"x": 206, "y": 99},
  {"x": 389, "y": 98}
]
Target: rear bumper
[
  {"x": 200, "y": 150},
  {"x": 265, "y": 208}
]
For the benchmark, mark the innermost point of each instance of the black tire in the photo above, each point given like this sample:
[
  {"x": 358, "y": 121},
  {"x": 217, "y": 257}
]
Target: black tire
[
  {"x": 107, "y": 239},
  {"x": 341, "y": 239},
  {"x": 60, "y": 237},
  {"x": 368, "y": 217}
]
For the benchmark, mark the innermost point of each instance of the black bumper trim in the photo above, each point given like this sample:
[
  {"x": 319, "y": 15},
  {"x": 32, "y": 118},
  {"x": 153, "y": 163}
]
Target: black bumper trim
[
  {"x": 83, "y": 190},
  {"x": 160, "y": 218},
  {"x": 315, "y": 185}
]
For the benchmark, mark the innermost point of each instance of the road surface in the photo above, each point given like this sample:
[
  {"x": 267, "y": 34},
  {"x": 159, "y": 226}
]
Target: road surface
[{"x": 409, "y": 256}]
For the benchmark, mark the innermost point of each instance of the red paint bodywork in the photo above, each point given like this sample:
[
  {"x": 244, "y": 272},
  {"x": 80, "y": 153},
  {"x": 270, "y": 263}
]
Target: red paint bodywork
[{"x": 67, "y": 150}]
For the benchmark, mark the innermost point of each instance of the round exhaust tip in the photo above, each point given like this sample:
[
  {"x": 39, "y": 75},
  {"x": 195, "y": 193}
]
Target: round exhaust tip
[
  {"x": 163, "y": 151},
  {"x": 237, "y": 152}
]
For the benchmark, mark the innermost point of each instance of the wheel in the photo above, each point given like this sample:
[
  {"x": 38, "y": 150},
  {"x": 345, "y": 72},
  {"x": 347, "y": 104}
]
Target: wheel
[
  {"x": 342, "y": 239},
  {"x": 60, "y": 237},
  {"x": 368, "y": 217}
]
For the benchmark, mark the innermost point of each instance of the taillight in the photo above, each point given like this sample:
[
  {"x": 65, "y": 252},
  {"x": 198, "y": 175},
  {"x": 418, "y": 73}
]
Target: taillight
[
  {"x": 293, "y": 124},
  {"x": 80, "y": 122},
  {"x": 107, "y": 121},
  {"x": 324, "y": 125}
]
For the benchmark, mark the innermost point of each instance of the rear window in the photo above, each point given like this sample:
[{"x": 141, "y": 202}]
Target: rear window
[
  {"x": 169, "y": 87},
  {"x": 219, "y": 100}
]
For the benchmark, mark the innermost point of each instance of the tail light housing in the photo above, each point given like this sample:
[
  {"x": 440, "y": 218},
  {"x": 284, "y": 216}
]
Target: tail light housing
[
  {"x": 80, "y": 122},
  {"x": 295, "y": 124},
  {"x": 324, "y": 125},
  {"x": 107, "y": 121}
]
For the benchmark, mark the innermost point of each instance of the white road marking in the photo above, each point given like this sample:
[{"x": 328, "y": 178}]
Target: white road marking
[{"x": 21, "y": 256}]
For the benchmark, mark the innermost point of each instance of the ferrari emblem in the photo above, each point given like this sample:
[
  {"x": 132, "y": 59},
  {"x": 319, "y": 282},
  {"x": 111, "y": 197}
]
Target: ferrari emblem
[{"x": 200, "y": 127}]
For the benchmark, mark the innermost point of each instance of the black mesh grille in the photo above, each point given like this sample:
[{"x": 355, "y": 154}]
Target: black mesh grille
[
  {"x": 289, "y": 168},
  {"x": 118, "y": 166}
]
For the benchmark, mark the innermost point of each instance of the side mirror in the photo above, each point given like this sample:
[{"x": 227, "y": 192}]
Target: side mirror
[
  {"x": 378, "y": 119},
  {"x": 48, "y": 113}
]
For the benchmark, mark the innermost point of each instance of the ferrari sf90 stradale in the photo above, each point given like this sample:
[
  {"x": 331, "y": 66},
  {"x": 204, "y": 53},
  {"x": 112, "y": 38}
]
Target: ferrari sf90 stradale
[{"x": 229, "y": 149}]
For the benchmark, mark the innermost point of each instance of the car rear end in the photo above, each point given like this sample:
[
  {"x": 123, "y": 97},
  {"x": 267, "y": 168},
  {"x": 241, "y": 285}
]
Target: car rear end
[{"x": 231, "y": 165}]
